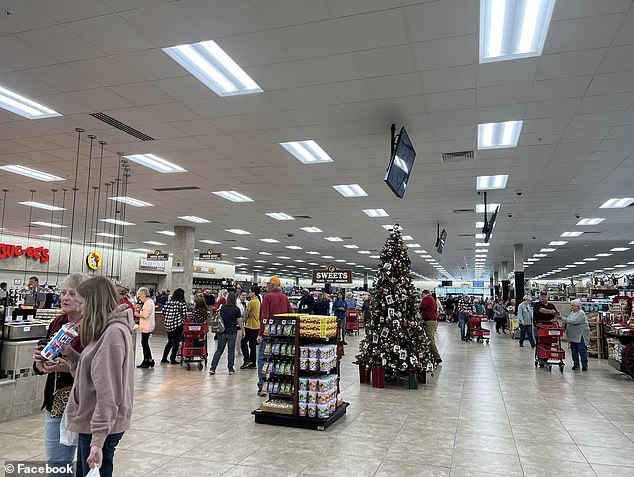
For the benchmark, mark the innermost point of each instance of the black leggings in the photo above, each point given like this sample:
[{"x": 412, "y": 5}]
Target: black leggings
[
  {"x": 248, "y": 344},
  {"x": 145, "y": 343},
  {"x": 173, "y": 340},
  {"x": 500, "y": 324}
]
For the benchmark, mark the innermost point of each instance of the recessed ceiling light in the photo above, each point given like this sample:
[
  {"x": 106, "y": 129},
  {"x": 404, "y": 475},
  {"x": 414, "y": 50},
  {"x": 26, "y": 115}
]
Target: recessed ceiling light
[
  {"x": 48, "y": 224},
  {"x": 590, "y": 259},
  {"x": 277, "y": 264},
  {"x": 211, "y": 242},
  {"x": 414, "y": 245},
  {"x": 233, "y": 196},
  {"x": 481, "y": 236},
  {"x": 105, "y": 234},
  {"x": 557, "y": 243},
  {"x": 264, "y": 253},
  {"x": 480, "y": 256},
  {"x": 340, "y": 261},
  {"x": 579, "y": 263},
  {"x": 311, "y": 229},
  {"x": 481, "y": 250},
  {"x": 350, "y": 263},
  {"x": 364, "y": 252},
  {"x": 619, "y": 249},
  {"x": 166, "y": 232},
  {"x": 532, "y": 259},
  {"x": 279, "y": 216},
  {"x": 491, "y": 182},
  {"x": 116, "y": 222},
  {"x": 103, "y": 244},
  {"x": 351, "y": 246},
  {"x": 312, "y": 252},
  {"x": 259, "y": 261},
  {"x": 570, "y": 266},
  {"x": 617, "y": 203},
  {"x": 407, "y": 238},
  {"x": 376, "y": 213},
  {"x": 307, "y": 152},
  {"x": 314, "y": 264},
  {"x": 595, "y": 221},
  {"x": 425, "y": 256},
  {"x": 511, "y": 29},
  {"x": 152, "y": 242},
  {"x": 571, "y": 234},
  {"x": 214, "y": 68},
  {"x": 269, "y": 240},
  {"x": 608, "y": 268},
  {"x": 326, "y": 257},
  {"x": 238, "y": 231},
  {"x": 32, "y": 173},
  {"x": 482, "y": 244},
  {"x": 333, "y": 239},
  {"x": 293, "y": 247},
  {"x": 155, "y": 162},
  {"x": 144, "y": 250},
  {"x": 499, "y": 135},
  {"x": 375, "y": 256},
  {"x": 490, "y": 208},
  {"x": 351, "y": 190},
  {"x": 603, "y": 255},
  {"x": 242, "y": 258},
  {"x": 131, "y": 201},
  {"x": 539, "y": 255},
  {"x": 59, "y": 237},
  {"x": 283, "y": 257},
  {"x": 40, "y": 205},
  {"x": 547, "y": 250},
  {"x": 620, "y": 266},
  {"x": 240, "y": 248},
  {"x": 299, "y": 260},
  {"x": 194, "y": 219}
]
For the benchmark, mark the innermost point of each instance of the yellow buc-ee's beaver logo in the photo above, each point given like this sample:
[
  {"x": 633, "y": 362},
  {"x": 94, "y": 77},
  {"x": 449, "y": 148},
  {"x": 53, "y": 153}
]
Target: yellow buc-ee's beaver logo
[{"x": 94, "y": 260}]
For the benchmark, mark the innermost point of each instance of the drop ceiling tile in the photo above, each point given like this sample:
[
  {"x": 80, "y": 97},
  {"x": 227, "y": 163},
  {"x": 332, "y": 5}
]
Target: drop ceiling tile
[
  {"x": 231, "y": 124},
  {"x": 309, "y": 116},
  {"x": 434, "y": 20},
  {"x": 373, "y": 30},
  {"x": 61, "y": 43},
  {"x": 272, "y": 120},
  {"x": 151, "y": 64},
  {"x": 212, "y": 107},
  {"x": 576, "y": 63},
  {"x": 353, "y": 111},
  {"x": 142, "y": 94},
  {"x": 618, "y": 58},
  {"x": 111, "y": 34},
  {"x": 606, "y": 102},
  {"x": 453, "y": 100},
  {"x": 28, "y": 85},
  {"x": 345, "y": 92},
  {"x": 395, "y": 86},
  {"x": 26, "y": 17},
  {"x": 621, "y": 132},
  {"x": 612, "y": 83},
  {"x": 401, "y": 107},
  {"x": 575, "y": 135},
  {"x": 184, "y": 88},
  {"x": 278, "y": 13},
  {"x": 312, "y": 39},
  {"x": 18, "y": 55},
  {"x": 62, "y": 78},
  {"x": 545, "y": 109},
  {"x": 504, "y": 94},
  {"x": 171, "y": 112},
  {"x": 560, "y": 88},
  {"x": 447, "y": 52},
  {"x": 624, "y": 144},
  {"x": 329, "y": 69},
  {"x": 65, "y": 104},
  {"x": 627, "y": 118},
  {"x": 448, "y": 79},
  {"x": 100, "y": 99},
  {"x": 297, "y": 98},
  {"x": 565, "y": 9},
  {"x": 496, "y": 114},
  {"x": 106, "y": 71},
  {"x": 625, "y": 35},
  {"x": 452, "y": 118},
  {"x": 577, "y": 147},
  {"x": 277, "y": 76},
  {"x": 582, "y": 33},
  {"x": 253, "y": 49}
]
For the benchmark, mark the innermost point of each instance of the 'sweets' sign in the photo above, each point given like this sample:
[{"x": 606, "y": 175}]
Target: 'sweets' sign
[
  {"x": 332, "y": 275},
  {"x": 36, "y": 253}
]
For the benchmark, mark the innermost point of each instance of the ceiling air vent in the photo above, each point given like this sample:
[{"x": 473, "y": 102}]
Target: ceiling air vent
[
  {"x": 458, "y": 156},
  {"x": 176, "y": 189},
  {"x": 123, "y": 127}
]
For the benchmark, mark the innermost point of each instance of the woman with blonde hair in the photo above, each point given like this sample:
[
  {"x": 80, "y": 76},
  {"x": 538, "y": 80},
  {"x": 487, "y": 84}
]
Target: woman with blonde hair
[
  {"x": 59, "y": 379},
  {"x": 100, "y": 403},
  {"x": 146, "y": 324}
]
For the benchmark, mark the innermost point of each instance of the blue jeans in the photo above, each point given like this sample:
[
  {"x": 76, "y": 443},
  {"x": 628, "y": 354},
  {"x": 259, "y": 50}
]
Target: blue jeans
[
  {"x": 83, "y": 451},
  {"x": 57, "y": 454},
  {"x": 342, "y": 325},
  {"x": 225, "y": 339},
  {"x": 526, "y": 331},
  {"x": 464, "y": 320},
  {"x": 261, "y": 349},
  {"x": 579, "y": 349}
]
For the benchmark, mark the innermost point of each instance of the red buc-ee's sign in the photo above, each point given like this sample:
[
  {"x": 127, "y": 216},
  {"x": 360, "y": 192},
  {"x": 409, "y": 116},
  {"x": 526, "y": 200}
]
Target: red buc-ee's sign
[{"x": 36, "y": 253}]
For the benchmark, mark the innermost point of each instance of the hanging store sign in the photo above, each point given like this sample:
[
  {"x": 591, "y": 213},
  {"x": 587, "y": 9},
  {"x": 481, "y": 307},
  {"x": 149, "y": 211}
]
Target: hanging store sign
[
  {"x": 210, "y": 255},
  {"x": 332, "y": 275},
  {"x": 94, "y": 260},
  {"x": 36, "y": 253},
  {"x": 202, "y": 269},
  {"x": 158, "y": 256},
  {"x": 151, "y": 265}
]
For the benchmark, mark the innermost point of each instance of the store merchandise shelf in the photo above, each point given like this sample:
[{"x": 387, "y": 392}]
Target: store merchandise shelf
[{"x": 315, "y": 423}]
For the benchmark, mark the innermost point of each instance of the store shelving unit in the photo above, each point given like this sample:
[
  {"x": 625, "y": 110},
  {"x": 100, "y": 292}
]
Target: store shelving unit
[
  {"x": 596, "y": 348},
  {"x": 289, "y": 356}
]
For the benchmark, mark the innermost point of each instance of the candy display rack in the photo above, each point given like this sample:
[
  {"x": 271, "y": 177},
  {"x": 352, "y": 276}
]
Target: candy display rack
[{"x": 293, "y": 364}]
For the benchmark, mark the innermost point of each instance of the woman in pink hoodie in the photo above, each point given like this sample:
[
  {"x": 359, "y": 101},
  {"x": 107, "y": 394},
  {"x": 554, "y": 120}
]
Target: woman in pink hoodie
[{"x": 100, "y": 403}]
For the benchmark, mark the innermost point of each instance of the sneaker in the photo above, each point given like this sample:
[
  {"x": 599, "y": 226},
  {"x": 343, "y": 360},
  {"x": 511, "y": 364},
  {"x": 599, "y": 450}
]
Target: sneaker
[
  {"x": 164, "y": 361},
  {"x": 246, "y": 365},
  {"x": 252, "y": 366},
  {"x": 585, "y": 368},
  {"x": 212, "y": 371},
  {"x": 232, "y": 371},
  {"x": 575, "y": 367}
]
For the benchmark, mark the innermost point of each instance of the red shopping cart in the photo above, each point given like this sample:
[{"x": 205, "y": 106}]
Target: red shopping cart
[
  {"x": 476, "y": 331},
  {"x": 548, "y": 351},
  {"x": 194, "y": 344},
  {"x": 352, "y": 321}
]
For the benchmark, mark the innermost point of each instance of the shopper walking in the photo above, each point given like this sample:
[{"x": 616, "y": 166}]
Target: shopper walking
[
  {"x": 489, "y": 309},
  {"x": 146, "y": 325},
  {"x": 429, "y": 314},
  {"x": 464, "y": 309},
  {"x": 500, "y": 316},
  {"x": 251, "y": 328},
  {"x": 59, "y": 381},
  {"x": 321, "y": 305},
  {"x": 274, "y": 303},
  {"x": 222, "y": 299},
  {"x": 525, "y": 321},
  {"x": 479, "y": 309},
  {"x": 339, "y": 308},
  {"x": 306, "y": 303},
  {"x": 232, "y": 318},
  {"x": 174, "y": 313},
  {"x": 100, "y": 404},
  {"x": 578, "y": 334}
]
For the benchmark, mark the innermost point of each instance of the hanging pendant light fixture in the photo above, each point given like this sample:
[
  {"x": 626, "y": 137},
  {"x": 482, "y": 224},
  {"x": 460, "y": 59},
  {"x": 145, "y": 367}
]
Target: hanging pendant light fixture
[
  {"x": 4, "y": 207},
  {"x": 124, "y": 208},
  {"x": 50, "y": 239},
  {"x": 108, "y": 215},
  {"x": 102, "y": 144},
  {"x": 59, "y": 252},
  {"x": 116, "y": 208},
  {"x": 92, "y": 137},
  {"x": 28, "y": 235},
  {"x": 72, "y": 220}
]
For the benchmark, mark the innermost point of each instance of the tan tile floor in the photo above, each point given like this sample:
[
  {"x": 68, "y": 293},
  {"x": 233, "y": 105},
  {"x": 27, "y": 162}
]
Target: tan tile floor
[{"x": 487, "y": 411}]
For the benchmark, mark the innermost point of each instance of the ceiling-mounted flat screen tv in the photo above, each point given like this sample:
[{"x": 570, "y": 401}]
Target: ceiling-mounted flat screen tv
[{"x": 401, "y": 162}]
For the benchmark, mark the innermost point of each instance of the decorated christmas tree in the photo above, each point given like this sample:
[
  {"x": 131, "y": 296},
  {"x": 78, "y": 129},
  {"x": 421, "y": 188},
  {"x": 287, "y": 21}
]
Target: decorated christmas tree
[{"x": 394, "y": 337}]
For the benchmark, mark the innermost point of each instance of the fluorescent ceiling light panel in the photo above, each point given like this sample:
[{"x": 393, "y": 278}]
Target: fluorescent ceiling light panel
[
  {"x": 293, "y": 247},
  {"x": 155, "y": 162},
  {"x": 152, "y": 242},
  {"x": 240, "y": 248},
  {"x": 299, "y": 260},
  {"x": 594, "y": 221},
  {"x": 619, "y": 249},
  {"x": 351, "y": 246},
  {"x": 194, "y": 219},
  {"x": 242, "y": 258},
  {"x": 326, "y": 257},
  {"x": 333, "y": 239},
  {"x": 283, "y": 257},
  {"x": 238, "y": 231},
  {"x": 103, "y": 244},
  {"x": 480, "y": 256},
  {"x": 491, "y": 182},
  {"x": 620, "y": 266},
  {"x": 364, "y": 252},
  {"x": 312, "y": 252},
  {"x": 351, "y": 190},
  {"x": 490, "y": 208},
  {"x": 571, "y": 234},
  {"x": 312, "y": 230},
  {"x": 512, "y": 29},
  {"x": 116, "y": 222},
  {"x": 259, "y": 261},
  {"x": 617, "y": 203},
  {"x": 32, "y": 173},
  {"x": 603, "y": 255},
  {"x": 340, "y": 261},
  {"x": 169, "y": 233},
  {"x": 48, "y": 224},
  {"x": 279, "y": 216},
  {"x": 106, "y": 234},
  {"x": 499, "y": 135},
  {"x": 547, "y": 250},
  {"x": 40, "y": 205},
  {"x": 52, "y": 236},
  {"x": 407, "y": 238},
  {"x": 214, "y": 68},
  {"x": 24, "y": 106},
  {"x": 558, "y": 243},
  {"x": 540, "y": 255},
  {"x": 144, "y": 250},
  {"x": 269, "y": 240},
  {"x": 376, "y": 213},
  {"x": 482, "y": 250},
  {"x": 307, "y": 152},
  {"x": 590, "y": 259},
  {"x": 211, "y": 242},
  {"x": 233, "y": 196},
  {"x": 482, "y": 244},
  {"x": 131, "y": 201},
  {"x": 579, "y": 263},
  {"x": 264, "y": 253}
]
